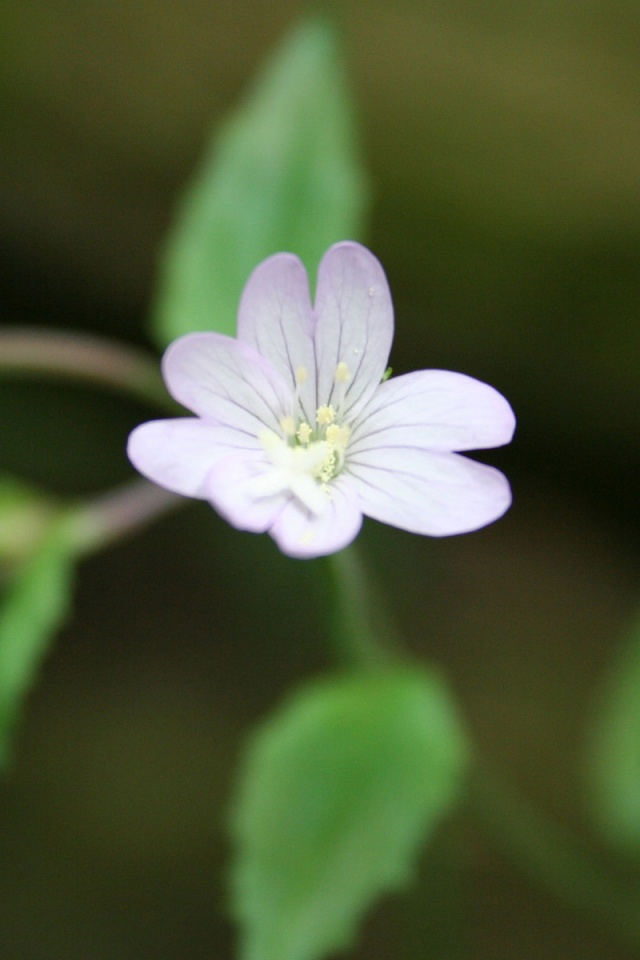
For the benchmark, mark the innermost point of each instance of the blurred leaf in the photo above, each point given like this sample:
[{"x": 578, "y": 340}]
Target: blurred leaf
[
  {"x": 282, "y": 175},
  {"x": 614, "y": 756},
  {"x": 34, "y": 606},
  {"x": 340, "y": 790},
  {"x": 24, "y": 515}
]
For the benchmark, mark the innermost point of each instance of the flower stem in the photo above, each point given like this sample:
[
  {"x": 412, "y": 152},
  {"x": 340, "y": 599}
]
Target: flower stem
[
  {"x": 362, "y": 630},
  {"x": 552, "y": 859},
  {"x": 107, "y": 518},
  {"x": 90, "y": 525},
  {"x": 90, "y": 359}
]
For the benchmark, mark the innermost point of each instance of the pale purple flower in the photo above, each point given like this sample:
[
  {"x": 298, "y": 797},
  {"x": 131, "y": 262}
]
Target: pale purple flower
[{"x": 297, "y": 434}]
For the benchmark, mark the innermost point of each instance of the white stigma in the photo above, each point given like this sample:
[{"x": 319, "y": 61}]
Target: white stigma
[{"x": 300, "y": 470}]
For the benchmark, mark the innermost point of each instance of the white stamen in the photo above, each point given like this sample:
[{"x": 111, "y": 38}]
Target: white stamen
[
  {"x": 301, "y": 377},
  {"x": 343, "y": 374},
  {"x": 304, "y": 433},
  {"x": 288, "y": 425},
  {"x": 341, "y": 377},
  {"x": 338, "y": 436},
  {"x": 325, "y": 415}
]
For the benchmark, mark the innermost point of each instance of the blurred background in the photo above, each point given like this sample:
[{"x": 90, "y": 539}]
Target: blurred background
[{"x": 503, "y": 144}]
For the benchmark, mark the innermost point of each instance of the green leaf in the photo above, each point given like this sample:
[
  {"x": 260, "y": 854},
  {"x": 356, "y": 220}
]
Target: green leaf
[
  {"x": 340, "y": 790},
  {"x": 282, "y": 174},
  {"x": 614, "y": 754},
  {"x": 34, "y": 606},
  {"x": 25, "y": 513}
]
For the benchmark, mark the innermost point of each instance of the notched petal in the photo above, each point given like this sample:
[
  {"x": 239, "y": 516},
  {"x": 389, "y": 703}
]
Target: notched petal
[
  {"x": 276, "y": 319},
  {"x": 354, "y": 326}
]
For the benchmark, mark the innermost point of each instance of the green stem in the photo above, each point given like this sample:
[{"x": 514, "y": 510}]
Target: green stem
[
  {"x": 361, "y": 628},
  {"x": 365, "y": 638},
  {"x": 109, "y": 517},
  {"x": 552, "y": 859},
  {"x": 90, "y": 525},
  {"x": 89, "y": 359}
]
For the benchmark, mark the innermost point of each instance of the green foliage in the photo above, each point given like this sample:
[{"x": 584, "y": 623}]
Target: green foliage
[
  {"x": 614, "y": 758},
  {"x": 34, "y": 607},
  {"x": 282, "y": 174},
  {"x": 24, "y": 515},
  {"x": 340, "y": 789}
]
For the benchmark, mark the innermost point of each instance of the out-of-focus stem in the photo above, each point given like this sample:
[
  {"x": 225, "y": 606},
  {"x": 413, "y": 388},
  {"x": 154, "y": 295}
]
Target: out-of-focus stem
[
  {"x": 106, "y": 518},
  {"x": 362, "y": 629},
  {"x": 109, "y": 517},
  {"x": 90, "y": 359},
  {"x": 551, "y": 858}
]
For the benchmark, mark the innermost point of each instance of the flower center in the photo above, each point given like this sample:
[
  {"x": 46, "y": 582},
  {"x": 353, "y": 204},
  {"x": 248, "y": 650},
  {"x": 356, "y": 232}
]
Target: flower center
[{"x": 306, "y": 457}]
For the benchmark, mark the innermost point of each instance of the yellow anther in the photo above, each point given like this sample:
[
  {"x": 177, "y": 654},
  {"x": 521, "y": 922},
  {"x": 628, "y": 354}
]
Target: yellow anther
[
  {"x": 304, "y": 433},
  {"x": 338, "y": 436},
  {"x": 343, "y": 374},
  {"x": 325, "y": 415},
  {"x": 302, "y": 375},
  {"x": 288, "y": 425}
]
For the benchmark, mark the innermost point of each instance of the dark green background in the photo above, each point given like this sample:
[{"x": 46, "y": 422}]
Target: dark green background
[{"x": 503, "y": 142}]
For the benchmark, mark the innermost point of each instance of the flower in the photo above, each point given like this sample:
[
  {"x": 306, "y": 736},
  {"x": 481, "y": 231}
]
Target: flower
[{"x": 298, "y": 432}]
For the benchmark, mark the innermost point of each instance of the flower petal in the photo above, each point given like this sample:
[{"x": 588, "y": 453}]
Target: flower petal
[
  {"x": 276, "y": 319},
  {"x": 178, "y": 454},
  {"x": 234, "y": 489},
  {"x": 434, "y": 409},
  {"x": 438, "y": 494},
  {"x": 354, "y": 325},
  {"x": 301, "y": 533},
  {"x": 226, "y": 381}
]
